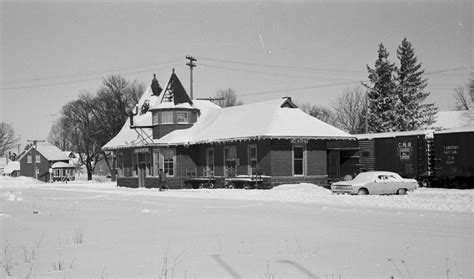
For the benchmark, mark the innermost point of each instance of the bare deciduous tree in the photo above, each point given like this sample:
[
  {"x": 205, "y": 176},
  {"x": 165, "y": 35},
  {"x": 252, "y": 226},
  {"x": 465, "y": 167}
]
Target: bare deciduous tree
[
  {"x": 91, "y": 121},
  {"x": 58, "y": 135},
  {"x": 8, "y": 139},
  {"x": 115, "y": 98},
  {"x": 84, "y": 131},
  {"x": 465, "y": 96},
  {"x": 227, "y": 98},
  {"x": 349, "y": 110},
  {"x": 319, "y": 112}
]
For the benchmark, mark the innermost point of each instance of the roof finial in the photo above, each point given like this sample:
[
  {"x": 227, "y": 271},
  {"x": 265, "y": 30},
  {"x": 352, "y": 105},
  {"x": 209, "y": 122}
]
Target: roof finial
[
  {"x": 154, "y": 76},
  {"x": 173, "y": 70}
]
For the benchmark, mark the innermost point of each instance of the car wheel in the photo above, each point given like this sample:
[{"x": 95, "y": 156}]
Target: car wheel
[
  {"x": 362, "y": 191},
  {"x": 402, "y": 191},
  {"x": 246, "y": 186},
  {"x": 230, "y": 185},
  {"x": 201, "y": 185}
]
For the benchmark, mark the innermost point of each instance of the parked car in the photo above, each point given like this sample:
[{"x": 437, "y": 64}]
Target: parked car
[{"x": 375, "y": 183}]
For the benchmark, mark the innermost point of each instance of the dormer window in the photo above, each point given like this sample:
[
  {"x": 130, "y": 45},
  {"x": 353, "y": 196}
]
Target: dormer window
[
  {"x": 167, "y": 117},
  {"x": 182, "y": 117}
]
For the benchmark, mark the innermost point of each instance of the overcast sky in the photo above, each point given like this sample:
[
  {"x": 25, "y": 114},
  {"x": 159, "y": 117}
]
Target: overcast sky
[{"x": 309, "y": 50}]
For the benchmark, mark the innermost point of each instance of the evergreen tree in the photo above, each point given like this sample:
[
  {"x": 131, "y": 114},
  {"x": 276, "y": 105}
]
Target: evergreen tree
[
  {"x": 411, "y": 111},
  {"x": 382, "y": 95}
]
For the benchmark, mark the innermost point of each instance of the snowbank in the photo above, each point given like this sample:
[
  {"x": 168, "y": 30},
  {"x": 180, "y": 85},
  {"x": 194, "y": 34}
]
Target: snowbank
[
  {"x": 7, "y": 181},
  {"x": 431, "y": 199}
]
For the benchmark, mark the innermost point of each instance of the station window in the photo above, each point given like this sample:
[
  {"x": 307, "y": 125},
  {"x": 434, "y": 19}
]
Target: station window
[
  {"x": 298, "y": 160},
  {"x": 230, "y": 160},
  {"x": 168, "y": 161},
  {"x": 120, "y": 167},
  {"x": 252, "y": 156},
  {"x": 182, "y": 117},
  {"x": 210, "y": 159},
  {"x": 29, "y": 159},
  {"x": 167, "y": 117},
  {"x": 156, "y": 162},
  {"x": 38, "y": 158}
]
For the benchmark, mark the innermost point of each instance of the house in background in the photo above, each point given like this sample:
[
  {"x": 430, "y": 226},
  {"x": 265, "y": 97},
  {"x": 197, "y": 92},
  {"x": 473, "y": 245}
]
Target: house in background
[
  {"x": 271, "y": 142},
  {"x": 3, "y": 163},
  {"x": 46, "y": 163},
  {"x": 75, "y": 161},
  {"x": 12, "y": 169}
]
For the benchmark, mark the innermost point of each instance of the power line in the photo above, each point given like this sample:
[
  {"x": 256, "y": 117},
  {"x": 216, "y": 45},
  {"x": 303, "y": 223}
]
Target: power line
[
  {"x": 80, "y": 75},
  {"x": 72, "y": 81},
  {"x": 321, "y": 69},
  {"x": 299, "y": 88},
  {"x": 273, "y": 73},
  {"x": 332, "y": 70},
  {"x": 447, "y": 70}
]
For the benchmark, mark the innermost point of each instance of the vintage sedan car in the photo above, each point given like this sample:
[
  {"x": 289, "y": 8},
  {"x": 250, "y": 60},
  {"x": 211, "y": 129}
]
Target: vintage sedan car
[{"x": 375, "y": 183}]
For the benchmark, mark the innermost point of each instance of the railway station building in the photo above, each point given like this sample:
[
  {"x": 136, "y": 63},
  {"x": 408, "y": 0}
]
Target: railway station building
[{"x": 199, "y": 144}]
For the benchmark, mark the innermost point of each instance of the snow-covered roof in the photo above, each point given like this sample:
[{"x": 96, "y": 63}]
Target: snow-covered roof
[
  {"x": 457, "y": 130},
  {"x": 258, "y": 120},
  {"x": 453, "y": 119},
  {"x": 427, "y": 133},
  {"x": 50, "y": 152},
  {"x": 11, "y": 167},
  {"x": 268, "y": 119},
  {"x": 128, "y": 137},
  {"x": 62, "y": 165}
]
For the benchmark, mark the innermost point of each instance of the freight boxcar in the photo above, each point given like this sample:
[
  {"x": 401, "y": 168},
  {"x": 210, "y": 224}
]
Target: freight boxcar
[
  {"x": 409, "y": 154},
  {"x": 454, "y": 158}
]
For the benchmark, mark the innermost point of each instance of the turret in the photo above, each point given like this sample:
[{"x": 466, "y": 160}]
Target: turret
[{"x": 175, "y": 109}]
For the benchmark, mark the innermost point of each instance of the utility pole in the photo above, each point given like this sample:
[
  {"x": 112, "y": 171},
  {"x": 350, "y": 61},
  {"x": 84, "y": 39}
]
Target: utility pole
[
  {"x": 35, "y": 142},
  {"x": 191, "y": 66},
  {"x": 366, "y": 107}
]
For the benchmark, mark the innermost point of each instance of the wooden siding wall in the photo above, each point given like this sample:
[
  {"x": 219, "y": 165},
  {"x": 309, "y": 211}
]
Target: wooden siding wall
[
  {"x": 281, "y": 158},
  {"x": 366, "y": 153},
  {"x": 316, "y": 157},
  {"x": 28, "y": 169},
  {"x": 127, "y": 157},
  {"x": 163, "y": 129},
  {"x": 186, "y": 161},
  {"x": 274, "y": 158},
  {"x": 264, "y": 157}
]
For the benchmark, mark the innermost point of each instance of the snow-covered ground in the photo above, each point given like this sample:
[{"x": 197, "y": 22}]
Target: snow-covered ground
[
  {"x": 97, "y": 230},
  {"x": 422, "y": 199}
]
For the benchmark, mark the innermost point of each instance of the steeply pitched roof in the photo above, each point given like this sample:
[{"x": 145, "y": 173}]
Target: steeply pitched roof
[{"x": 174, "y": 93}]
